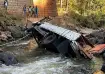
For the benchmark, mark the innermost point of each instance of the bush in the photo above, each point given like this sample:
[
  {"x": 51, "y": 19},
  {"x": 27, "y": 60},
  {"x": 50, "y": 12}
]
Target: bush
[{"x": 91, "y": 21}]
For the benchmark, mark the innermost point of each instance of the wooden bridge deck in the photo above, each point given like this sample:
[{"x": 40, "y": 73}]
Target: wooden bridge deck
[{"x": 33, "y": 20}]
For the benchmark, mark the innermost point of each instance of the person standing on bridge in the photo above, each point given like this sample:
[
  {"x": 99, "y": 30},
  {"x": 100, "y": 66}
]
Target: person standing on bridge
[
  {"x": 33, "y": 11},
  {"x": 29, "y": 11},
  {"x": 5, "y": 4},
  {"x": 36, "y": 12},
  {"x": 24, "y": 10}
]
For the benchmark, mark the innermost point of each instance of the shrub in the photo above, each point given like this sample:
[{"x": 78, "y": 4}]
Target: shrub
[{"x": 90, "y": 21}]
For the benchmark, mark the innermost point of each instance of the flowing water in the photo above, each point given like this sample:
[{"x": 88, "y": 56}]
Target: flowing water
[{"x": 43, "y": 62}]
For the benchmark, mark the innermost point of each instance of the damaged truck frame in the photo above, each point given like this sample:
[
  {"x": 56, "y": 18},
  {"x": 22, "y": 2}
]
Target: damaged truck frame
[{"x": 60, "y": 40}]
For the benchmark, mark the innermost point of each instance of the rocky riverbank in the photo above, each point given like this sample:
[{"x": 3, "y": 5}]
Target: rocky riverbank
[{"x": 11, "y": 26}]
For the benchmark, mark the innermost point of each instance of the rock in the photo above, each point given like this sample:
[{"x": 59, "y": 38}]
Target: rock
[
  {"x": 8, "y": 34},
  {"x": 16, "y": 31},
  {"x": 93, "y": 40},
  {"x": 7, "y": 58},
  {"x": 103, "y": 56},
  {"x": 97, "y": 37},
  {"x": 1, "y": 50},
  {"x": 5, "y": 35},
  {"x": 100, "y": 41}
]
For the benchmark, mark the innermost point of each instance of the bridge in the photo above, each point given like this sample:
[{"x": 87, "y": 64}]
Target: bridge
[{"x": 45, "y": 7}]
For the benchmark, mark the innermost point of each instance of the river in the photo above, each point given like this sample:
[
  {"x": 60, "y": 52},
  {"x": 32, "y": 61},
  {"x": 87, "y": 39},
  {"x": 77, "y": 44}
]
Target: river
[{"x": 43, "y": 62}]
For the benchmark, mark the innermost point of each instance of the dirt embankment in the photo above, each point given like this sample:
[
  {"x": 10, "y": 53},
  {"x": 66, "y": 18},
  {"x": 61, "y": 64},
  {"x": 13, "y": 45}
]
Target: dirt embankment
[{"x": 11, "y": 26}]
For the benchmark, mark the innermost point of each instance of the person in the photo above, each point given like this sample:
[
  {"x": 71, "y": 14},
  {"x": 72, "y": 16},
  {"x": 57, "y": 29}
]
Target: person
[
  {"x": 36, "y": 11},
  {"x": 33, "y": 11},
  {"x": 5, "y": 4},
  {"x": 24, "y": 10},
  {"x": 29, "y": 11}
]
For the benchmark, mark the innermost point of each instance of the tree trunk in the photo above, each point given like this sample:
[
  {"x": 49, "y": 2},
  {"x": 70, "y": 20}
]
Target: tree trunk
[
  {"x": 61, "y": 3},
  {"x": 66, "y": 5}
]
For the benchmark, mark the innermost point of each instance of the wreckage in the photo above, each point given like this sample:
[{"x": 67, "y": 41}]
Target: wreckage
[{"x": 60, "y": 40}]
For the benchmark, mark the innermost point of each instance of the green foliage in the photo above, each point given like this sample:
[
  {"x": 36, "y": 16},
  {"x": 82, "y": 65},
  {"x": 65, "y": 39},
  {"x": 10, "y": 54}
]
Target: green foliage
[
  {"x": 87, "y": 7},
  {"x": 60, "y": 11},
  {"x": 90, "y": 21},
  {"x": 88, "y": 13}
]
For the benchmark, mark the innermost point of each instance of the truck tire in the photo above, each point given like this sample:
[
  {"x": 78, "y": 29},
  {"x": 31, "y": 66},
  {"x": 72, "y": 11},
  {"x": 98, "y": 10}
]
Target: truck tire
[{"x": 49, "y": 39}]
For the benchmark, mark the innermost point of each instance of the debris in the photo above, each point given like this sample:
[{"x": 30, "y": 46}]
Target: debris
[
  {"x": 99, "y": 49},
  {"x": 46, "y": 32},
  {"x": 31, "y": 45},
  {"x": 53, "y": 38}
]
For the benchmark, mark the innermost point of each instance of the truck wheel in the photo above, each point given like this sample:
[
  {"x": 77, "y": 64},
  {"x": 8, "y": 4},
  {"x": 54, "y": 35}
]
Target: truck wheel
[
  {"x": 49, "y": 39},
  {"x": 7, "y": 59}
]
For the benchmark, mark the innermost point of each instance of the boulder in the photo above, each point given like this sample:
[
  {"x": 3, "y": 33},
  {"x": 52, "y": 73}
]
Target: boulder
[
  {"x": 5, "y": 35},
  {"x": 97, "y": 37},
  {"x": 16, "y": 31},
  {"x": 7, "y": 58}
]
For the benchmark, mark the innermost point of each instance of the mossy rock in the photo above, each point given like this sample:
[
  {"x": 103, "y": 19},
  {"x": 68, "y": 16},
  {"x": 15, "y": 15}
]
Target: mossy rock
[{"x": 16, "y": 31}]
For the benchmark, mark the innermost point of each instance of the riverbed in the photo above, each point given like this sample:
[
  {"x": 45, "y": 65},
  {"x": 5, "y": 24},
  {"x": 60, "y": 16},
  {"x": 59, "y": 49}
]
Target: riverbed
[{"x": 40, "y": 61}]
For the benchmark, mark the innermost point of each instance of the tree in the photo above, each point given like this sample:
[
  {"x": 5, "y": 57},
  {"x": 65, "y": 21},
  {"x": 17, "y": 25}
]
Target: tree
[
  {"x": 82, "y": 7},
  {"x": 61, "y": 3}
]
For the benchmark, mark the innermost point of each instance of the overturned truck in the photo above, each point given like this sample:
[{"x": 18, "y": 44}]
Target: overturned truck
[{"x": 60, "y": 40}]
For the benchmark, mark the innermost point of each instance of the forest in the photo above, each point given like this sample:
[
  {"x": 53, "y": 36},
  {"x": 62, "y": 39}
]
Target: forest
[{"x": 88, "y": 13}]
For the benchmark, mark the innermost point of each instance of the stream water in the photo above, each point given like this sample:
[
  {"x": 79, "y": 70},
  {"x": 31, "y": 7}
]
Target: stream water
[{"x": 43, "y": 62}]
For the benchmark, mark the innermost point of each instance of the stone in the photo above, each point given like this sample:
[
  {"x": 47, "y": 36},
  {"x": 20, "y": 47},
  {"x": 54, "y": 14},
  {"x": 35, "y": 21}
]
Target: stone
[
  {"x": 97, "y": 37},
  {"x": 16, "y": 31}
]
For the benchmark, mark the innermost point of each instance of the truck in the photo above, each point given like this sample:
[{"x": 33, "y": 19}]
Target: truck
[{"x": 64, "y": 41}]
